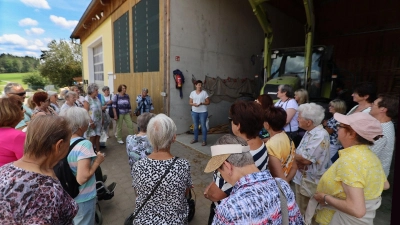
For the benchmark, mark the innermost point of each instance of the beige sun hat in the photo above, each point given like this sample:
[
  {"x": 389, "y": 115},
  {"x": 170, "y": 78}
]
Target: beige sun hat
[{"x": 220, "y": 153}]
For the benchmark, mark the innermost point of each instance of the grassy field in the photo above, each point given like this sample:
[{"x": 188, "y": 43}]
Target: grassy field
[{"x": 11, "y": 77}]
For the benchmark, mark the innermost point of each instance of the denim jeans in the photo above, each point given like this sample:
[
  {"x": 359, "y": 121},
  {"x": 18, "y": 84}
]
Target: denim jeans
[
  {"x": 202, "y": 117},
  {"x": 86, "y": 212}
]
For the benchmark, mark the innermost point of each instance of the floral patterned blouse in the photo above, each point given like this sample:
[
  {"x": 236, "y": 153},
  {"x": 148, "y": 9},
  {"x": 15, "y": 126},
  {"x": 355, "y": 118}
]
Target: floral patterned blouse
[
  {"x": 31, "y": 198},
  {"x": 314, "y": 147},
  {"x": 137, "y": 147},
  {"x": 94, "y": 108}
]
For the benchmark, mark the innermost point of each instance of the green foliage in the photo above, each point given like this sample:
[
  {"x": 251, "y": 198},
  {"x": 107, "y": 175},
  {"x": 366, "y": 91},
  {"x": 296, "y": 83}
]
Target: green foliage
[
  {"x": 15, "y": 64},
  {"x": 61, "y": 63},
  {"x": 12, "y": 77},
  {"x": 34, "y": 80}
]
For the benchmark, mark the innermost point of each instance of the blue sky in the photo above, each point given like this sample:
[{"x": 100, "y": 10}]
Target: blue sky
[{"x": 26, "y": 26}]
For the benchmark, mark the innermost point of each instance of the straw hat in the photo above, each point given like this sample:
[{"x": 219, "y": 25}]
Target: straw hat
[{"x": 221, "y": 152}]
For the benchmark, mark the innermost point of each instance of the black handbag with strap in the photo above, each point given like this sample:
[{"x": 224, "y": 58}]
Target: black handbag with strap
[
  {"x": 111, "y": 111},
  {"x": 129, "y": 220}
]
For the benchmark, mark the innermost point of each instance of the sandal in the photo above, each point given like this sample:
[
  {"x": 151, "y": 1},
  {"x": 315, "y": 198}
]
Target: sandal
[
  {"x": 193, "y": 141},
  {"x": 204, "y": 143}
]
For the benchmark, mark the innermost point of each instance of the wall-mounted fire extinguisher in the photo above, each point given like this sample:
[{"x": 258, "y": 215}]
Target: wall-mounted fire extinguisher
[{"x": 179, "y": 81}]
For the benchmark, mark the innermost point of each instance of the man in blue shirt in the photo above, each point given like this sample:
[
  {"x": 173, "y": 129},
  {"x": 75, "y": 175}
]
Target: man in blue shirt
[{"x": 18, "y": 90}]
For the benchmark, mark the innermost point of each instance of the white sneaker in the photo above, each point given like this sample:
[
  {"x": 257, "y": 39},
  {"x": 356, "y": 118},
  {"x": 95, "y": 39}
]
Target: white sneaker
[{"x": 120, "y": 141}]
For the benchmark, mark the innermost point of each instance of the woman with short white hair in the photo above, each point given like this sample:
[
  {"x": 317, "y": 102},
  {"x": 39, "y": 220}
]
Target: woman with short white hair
[
  {"x": 95, "y": 112},
  {"x": 312, "y": 154},
  {"x": 167, "y": 205},
  {"x": 83, "y": 162},
  {"x": 70, "y": 98}
]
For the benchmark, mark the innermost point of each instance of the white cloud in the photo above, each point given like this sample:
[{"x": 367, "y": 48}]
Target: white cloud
[
  {"x": 34, "y": 30},
  {"x": 41, "y": 4},
  {"x": 28, "y": 22},
  {"x": 38, "y": 42},
  {"x": 13, "y": 39},
  {"x": 62, "y": 22},
  {"x": 17, "y": 45}
]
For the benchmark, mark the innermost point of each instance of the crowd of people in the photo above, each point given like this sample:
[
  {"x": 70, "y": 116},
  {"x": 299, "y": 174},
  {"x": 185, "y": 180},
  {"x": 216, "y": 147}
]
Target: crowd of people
[{"x": 337, "y": 165}]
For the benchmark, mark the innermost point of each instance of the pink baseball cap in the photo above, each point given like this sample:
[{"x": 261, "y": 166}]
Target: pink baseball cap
[{"x": 362, "y": 123}]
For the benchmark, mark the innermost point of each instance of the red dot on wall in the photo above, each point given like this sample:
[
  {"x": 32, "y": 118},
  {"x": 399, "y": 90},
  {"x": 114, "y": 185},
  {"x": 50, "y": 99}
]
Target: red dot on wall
[{"x": 177, "y": 58}]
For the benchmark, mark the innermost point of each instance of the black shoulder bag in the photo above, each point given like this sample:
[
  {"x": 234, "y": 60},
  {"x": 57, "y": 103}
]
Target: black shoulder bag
[
  {"x": 111, "y": 111},
  {"x": 64, "y": 174},
  {"x": 129, "y": 220}
]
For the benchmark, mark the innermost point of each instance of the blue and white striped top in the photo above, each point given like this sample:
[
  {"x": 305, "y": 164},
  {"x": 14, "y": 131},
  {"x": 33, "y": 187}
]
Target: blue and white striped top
[{"x": 260, "y": 157}]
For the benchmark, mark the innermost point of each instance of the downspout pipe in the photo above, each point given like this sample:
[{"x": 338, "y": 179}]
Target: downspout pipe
[
  {"x": 309, "y": 38},
  {"x": 262, "y": 18}
]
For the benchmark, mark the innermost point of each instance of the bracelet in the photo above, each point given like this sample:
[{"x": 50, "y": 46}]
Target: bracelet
[{"x": 326, "y": 203}]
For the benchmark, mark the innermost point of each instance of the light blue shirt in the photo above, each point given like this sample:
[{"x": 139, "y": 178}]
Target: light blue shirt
[{"x": 27, "y": 117}]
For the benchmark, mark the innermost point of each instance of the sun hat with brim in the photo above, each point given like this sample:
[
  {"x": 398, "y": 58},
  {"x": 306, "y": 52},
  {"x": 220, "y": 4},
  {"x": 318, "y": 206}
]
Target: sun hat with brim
[
  {"x": 220, "y": 153},
  {"x": 362, "y": 123},
  {"x": 51, "y": 93}
]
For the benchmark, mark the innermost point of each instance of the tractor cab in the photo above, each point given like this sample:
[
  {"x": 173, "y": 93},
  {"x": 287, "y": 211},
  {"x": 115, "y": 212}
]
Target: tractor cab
[{"x": 287, "y": 67}]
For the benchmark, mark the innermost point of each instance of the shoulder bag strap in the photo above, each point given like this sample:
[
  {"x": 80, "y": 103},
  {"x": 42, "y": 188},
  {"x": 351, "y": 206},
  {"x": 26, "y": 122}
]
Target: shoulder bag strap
[
  {"x": 284, "y": 208},
  {"x": 290, "y": 153},
  {"x": 155, "y": 187},
  {"x": 73, "y": 145}
]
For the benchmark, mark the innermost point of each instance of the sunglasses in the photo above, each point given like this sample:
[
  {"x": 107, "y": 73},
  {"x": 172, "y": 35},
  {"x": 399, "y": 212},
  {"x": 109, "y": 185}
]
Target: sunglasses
[{"x": 20, "y": 94}]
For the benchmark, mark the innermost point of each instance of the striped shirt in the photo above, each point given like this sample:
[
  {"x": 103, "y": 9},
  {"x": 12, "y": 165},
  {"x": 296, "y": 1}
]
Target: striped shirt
[
  {"x": 260, "y": 158},
  {"x": 83, "y": 150},
  {"x": 124, "y": 103}
]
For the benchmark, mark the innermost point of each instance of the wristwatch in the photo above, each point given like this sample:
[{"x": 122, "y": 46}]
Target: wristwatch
[{"x": 326, "y": 203}]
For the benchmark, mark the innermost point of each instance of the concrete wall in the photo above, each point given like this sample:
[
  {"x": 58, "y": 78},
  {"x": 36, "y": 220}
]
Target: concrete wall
[
  {"x": 217, "y": 38},
  {"x": 103, "y": 34}
]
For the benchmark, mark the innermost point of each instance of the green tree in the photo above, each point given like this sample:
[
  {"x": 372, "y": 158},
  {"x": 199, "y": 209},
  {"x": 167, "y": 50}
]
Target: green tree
[
  {"x": 61, "y": 63},
  {"x": 34, "y": 80}
]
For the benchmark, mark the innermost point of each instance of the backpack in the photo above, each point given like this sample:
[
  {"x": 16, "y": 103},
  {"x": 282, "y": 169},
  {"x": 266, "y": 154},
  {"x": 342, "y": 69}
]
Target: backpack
[{"x": 65, "y": 176}]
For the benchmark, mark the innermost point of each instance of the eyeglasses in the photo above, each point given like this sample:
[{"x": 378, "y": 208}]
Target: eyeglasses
[
  {"x": 340, "y": 126},
  {"x": 19, "y": 94},
  {"x": 230, "y": 119}
]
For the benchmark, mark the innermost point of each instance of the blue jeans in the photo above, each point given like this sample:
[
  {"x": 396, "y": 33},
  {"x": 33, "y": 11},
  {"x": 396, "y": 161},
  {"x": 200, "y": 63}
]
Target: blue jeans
[
  {"x": 202, "y": 117},
  {"x": 86, "y": 213}
]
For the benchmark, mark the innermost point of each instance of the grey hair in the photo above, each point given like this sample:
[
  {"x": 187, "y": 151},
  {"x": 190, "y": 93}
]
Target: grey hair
[
  {"x": 146, "y": 90},
  {"x": 9, "y": 86},
  {"x": 313, "y": 112},
  {"x": 230, "y": 139},
  {"x": 105, "y": 88},
  {"x": 143, "y": 120},
  {"x": 77, "y": 116},
  {"x": 161, "y": 131},
  {"x": 70, "y": 94},
  {"x": 288, "y": 89},
  {"x": 241, "y": 159},
  {"x": 92, "y": 88}
]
